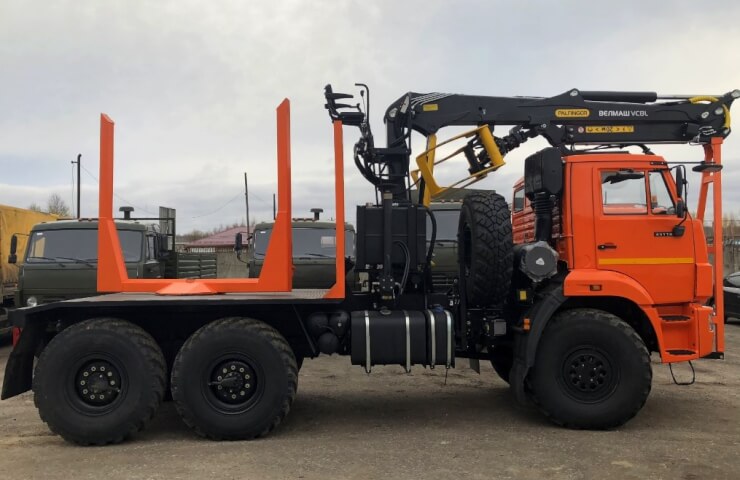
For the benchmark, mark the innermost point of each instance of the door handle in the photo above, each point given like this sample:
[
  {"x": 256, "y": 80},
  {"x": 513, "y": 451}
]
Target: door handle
[{"x": 605, "y": 246}]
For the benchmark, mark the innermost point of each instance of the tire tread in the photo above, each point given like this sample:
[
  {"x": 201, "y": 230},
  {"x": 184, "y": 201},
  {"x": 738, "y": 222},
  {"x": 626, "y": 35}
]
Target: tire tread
[
  {"x": 644, "y": 358},
  {"x": 258, "y": 328},
  {"x": 152, "y": 355}
]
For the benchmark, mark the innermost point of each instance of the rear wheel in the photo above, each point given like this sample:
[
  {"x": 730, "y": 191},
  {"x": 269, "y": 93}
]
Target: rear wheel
[
  {"x": 234, "y": 379},
  {"x": 592, "y": 370},
  {"x": 99, "y": 381},
  {"x": 485, "y": 249}
]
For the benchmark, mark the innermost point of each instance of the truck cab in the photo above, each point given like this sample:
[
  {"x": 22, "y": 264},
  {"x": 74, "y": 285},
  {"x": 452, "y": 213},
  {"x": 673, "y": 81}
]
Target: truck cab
[
  {"x": 314, "y": 251},
  {"x": 60, "y": 261},
  {"x": 620, "y": 233}
]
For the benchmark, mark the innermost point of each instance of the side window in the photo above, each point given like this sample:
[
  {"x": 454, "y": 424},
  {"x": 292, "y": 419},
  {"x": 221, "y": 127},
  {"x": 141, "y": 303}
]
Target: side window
[
  {"x": 38, "y": 246},
  {"x": 623, "y": 192},
  {"x": 519, "y": 200},
  {"x": 661, "y": 202}
]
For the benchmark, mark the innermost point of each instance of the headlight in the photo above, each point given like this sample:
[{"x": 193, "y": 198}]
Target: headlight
[{"x": 32, "y": 301}]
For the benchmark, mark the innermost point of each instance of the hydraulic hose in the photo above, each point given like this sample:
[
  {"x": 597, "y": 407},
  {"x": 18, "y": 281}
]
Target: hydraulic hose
[
  {"x": 707, "y": 98},
  {"x": 433, "y": 238}
]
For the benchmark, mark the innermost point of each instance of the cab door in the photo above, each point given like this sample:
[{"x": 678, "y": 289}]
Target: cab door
[
  {"x": 635, "y": 216},
  {"x": 153, "y": 267}
]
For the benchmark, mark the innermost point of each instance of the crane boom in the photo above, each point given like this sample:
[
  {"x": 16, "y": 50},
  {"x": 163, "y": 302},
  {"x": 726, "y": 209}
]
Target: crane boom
[
  {"x": 565, "y": 119},
  {"x": 572, "y": 118}
]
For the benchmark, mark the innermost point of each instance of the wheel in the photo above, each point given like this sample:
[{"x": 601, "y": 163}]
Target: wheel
[
  {"x": 485, "y": 250},
  {"x": 234, "y": 379},
  {"x": 99, "y": 381},
  {"x": 592, "y": 370},
  {"x": 502, "y": 359}
]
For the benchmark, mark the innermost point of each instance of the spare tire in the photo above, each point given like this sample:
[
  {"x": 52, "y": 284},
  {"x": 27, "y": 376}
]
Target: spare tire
[{"x": 485, "y": 250}]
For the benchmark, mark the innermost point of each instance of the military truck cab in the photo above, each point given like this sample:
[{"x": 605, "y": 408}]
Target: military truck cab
[
  {"x": 60, "y": 261},
  {"x": 314, "y": 251}
]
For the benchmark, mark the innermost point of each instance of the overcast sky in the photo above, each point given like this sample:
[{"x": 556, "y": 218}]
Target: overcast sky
[{"x": 193, "y": 86}]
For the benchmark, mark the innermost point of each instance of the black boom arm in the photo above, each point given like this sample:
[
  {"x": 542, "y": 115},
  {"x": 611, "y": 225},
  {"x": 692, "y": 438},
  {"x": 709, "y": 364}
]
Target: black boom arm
[
  {"x": 574, "y": 117},
  {"x": 571, "y": 118}
]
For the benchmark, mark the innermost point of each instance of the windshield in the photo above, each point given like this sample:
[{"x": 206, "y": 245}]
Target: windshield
[
  {"x": 446, "y": 225},
  {"x": 68, "y": 246},
  {"x": 308, "y": 242}
]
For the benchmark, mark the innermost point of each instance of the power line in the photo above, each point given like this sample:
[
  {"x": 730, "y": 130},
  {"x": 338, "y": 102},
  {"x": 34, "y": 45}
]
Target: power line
[
  {"x": 118, "y": 196},
  {"x": 196, "y": 216},
  {"x": 221, "y": 207}
]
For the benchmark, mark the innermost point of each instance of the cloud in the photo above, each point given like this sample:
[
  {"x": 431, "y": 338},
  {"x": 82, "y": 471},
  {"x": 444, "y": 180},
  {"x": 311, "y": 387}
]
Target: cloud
[{"x": 193, "y": 86}]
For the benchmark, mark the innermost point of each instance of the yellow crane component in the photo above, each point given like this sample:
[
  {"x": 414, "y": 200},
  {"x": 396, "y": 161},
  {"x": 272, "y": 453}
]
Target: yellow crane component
[{"x": 426, "y": 162}]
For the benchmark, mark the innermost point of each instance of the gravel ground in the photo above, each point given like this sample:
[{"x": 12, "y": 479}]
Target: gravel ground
[{"x": 345, "y": 424}]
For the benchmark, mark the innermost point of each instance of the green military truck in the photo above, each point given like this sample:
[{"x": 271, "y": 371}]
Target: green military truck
[
  {"x": 14, "y": 223},
  {"x": 60, "y": 260},
  {"x": 314, "y": 250}
]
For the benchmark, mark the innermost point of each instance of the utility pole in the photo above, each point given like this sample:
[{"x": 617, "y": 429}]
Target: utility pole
[
  {"x": 246, "y": 198},
  {"x": 79, "y": 156},
  {"x": 274, "y": 208}
]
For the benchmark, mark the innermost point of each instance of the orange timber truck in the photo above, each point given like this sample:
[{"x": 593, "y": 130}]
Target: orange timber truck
[{"x": 568, "y": 317}]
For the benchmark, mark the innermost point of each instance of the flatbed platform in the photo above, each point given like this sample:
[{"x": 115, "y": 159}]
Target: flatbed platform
[
  {"x": 297, "y": 295},
  {"x": 133, "y": 300}
]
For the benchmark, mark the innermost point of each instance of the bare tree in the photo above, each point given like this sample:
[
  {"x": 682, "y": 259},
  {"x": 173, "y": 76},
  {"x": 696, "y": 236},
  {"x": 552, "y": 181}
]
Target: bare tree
[
  {"x": 35, "y": 207},
  {"x": 56, "y": 205}
]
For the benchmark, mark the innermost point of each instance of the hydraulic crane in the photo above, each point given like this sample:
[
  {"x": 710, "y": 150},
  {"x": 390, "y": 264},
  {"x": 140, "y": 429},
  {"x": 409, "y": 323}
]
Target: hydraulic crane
[{"x": 591, "y": 262}]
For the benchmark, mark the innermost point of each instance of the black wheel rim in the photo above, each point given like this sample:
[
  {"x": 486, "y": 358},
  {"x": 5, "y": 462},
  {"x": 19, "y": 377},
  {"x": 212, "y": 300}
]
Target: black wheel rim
[
  {"x": 589, "y": 374},
  {"x": 97, "y": 383},
  {"x": 233, "y": 383}
]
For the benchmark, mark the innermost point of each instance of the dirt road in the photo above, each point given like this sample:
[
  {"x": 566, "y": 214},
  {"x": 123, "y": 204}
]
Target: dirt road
[{"x": 345, "y": 424}]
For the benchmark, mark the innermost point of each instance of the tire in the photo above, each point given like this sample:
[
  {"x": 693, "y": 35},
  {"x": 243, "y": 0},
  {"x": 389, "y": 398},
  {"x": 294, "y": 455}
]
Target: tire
[
  {"x": 112, "y": 359},
  {"x": 245, "y": 406},
  {"x": 592, "y": 370},
  {"x": 502, "y": 359},
  {"x": 486, "y": 256}
]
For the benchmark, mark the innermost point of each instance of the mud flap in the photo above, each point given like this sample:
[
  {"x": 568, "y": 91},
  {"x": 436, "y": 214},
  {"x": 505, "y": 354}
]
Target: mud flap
[
  {"x": 519, "y": 370},
  {"x": 19, "y": 369},
  {"x": 526, "y": 342}
]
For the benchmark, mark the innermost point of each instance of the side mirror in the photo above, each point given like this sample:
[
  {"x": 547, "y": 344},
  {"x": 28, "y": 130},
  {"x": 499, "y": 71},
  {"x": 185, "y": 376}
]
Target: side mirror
[
  {"x": 161, "y": 246},
  {"x": 238, "y": 245},
  {"x": 680, "y": 208},
  {"x": 13, "y": 258},
  {"x": 681, "y": 191}
]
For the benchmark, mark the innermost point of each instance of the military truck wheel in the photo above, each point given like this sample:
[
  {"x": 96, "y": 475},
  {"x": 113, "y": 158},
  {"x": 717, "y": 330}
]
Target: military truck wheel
[
  {"x": 502, "y": 359},
  {"x": 99, "y": 381},
  {"x": 234, "y": 379},
  {"x": 485, "y": 249},
  {"x": 592, "y": 370}
]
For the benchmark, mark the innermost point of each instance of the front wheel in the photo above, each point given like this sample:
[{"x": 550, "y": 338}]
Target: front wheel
[{"x": 592, "y": 370}]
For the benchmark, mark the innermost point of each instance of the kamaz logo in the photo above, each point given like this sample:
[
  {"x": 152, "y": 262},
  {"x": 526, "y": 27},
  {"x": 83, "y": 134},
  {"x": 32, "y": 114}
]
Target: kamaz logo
[{"x": 623, "y": 113}]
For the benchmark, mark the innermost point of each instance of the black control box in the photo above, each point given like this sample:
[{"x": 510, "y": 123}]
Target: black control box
[{"x": 408, "y": 226}]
